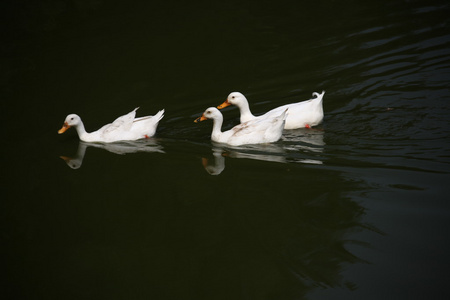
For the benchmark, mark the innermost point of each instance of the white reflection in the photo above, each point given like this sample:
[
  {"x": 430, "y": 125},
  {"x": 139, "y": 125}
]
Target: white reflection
[
  {"x": 296, "y": 146},
  {"x": 121, "y": 148},
  {"x": 216, "y": 165}
]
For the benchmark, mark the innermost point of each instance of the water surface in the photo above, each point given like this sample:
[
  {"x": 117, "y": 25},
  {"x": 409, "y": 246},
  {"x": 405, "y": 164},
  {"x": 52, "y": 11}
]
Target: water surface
[{"x": 354, "y": 208}]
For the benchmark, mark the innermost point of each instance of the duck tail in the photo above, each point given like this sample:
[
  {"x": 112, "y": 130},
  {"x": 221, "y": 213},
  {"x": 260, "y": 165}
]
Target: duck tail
[
  {"x": 317, "y": 95},
  {"x": 159, "y": 115}
]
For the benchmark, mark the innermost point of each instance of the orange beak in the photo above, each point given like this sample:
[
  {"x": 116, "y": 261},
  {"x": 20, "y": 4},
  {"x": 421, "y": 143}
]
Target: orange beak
[
  {"x": 199, "y": 119},
  {"x": 64, "y": 128},
  {"x": 65, "y": 158},
  {"x": 223, "y": 105},
  {"x": 204, "y": 162}
]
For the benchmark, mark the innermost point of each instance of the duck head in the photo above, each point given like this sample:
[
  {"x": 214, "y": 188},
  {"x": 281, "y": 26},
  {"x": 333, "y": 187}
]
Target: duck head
[
  {"x": 71, "y": 120},
  {"x": 233, "y": 99}
]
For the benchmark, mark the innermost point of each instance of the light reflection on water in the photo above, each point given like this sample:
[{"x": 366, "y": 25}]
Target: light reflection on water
[
  {"x": 121, "y": 148},
  {"x": 295, "y": 147},
  {"x": 282, "y": 243}
]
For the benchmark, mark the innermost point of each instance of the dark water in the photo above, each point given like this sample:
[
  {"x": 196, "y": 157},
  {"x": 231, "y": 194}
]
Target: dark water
[{"x": 357, "y": 208}]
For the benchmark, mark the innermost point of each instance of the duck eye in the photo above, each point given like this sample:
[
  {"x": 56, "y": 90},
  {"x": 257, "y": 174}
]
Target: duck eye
[
  {"x": 232, "y": 97},
  {"x": 71, "y": 119}
]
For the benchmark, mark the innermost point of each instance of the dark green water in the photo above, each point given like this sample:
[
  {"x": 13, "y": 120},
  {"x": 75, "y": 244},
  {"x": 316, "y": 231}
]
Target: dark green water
[{"x": 357, "y": 208}]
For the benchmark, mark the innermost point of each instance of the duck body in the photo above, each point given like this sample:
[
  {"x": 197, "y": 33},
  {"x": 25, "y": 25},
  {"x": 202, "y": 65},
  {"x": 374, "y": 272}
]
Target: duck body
[
  {"x": 258, "y": 131},
  {"x": 301, "y": 114},
  {"x": 124, "y": 128}
]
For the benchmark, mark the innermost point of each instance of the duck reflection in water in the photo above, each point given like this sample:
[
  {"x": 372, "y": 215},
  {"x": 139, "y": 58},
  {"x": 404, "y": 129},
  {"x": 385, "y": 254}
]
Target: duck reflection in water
[
  {"x": 298, "y": 146},
  {"x": 122, "y": 148}
]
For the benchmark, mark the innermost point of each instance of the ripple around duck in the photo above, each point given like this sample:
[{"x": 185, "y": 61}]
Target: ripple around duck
[{"x": 396, "y": 114}]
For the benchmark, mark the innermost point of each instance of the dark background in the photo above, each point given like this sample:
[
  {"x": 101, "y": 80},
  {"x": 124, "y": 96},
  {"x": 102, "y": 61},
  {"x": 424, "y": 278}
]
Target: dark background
[{"x": 357, "y": 208}]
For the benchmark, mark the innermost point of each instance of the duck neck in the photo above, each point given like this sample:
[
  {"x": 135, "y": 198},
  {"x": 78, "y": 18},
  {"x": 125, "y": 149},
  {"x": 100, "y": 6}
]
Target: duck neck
[
  {"x": 217, "y": 128},
  {"x": 82, "y": 134},
  {"x": 246, "y": 114}
]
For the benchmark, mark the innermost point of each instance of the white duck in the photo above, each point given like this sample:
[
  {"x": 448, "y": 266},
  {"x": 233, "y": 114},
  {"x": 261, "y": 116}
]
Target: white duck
[
  {"x": 124, "y": 128},
  {"x": 303, "y": 114},
  {"x": 259, "y": 131}
]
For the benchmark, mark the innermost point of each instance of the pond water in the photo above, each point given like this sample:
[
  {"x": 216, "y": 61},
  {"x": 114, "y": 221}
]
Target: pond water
[{"x": 356, "y": 207}]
